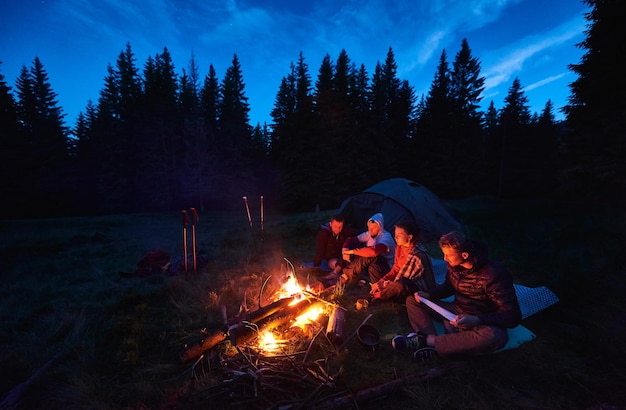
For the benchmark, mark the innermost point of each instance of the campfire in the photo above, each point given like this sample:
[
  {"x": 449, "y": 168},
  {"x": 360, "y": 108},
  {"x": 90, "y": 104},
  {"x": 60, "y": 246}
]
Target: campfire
[{"x": 280, "y": 352}]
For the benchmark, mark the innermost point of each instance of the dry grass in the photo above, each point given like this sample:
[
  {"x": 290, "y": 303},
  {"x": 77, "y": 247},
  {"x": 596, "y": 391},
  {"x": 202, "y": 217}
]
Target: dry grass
[{"x": 68, "y": 288}]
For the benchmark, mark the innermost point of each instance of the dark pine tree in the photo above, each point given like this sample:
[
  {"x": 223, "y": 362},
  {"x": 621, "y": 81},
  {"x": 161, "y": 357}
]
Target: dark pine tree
[
  {"x": 543, "y": 164},
  {"x": 466, "y": 87},
  {"x": 43, "y": 132},
  {"x": 11, "y": 151},
  {"x": 294, "y": 135},
  {"x": 86, "y": 159},
  {"x": 432, "y": 136},
  {"x": 283, "y": 119},
  {"x": 513, "y": 132},
  {"x": 210, "y": 102},
  {"x": 330, "y": 110},
  {"x": 595, "y": 148},
  {"x": 195, "y": 185},
  {"x": 397, "y": 119},
  {"x": 235, "y": 134},
  {"x": 161, "y": 124},
  {"x": 491, "y": 149},
  {"x": 120, "y": 136}
]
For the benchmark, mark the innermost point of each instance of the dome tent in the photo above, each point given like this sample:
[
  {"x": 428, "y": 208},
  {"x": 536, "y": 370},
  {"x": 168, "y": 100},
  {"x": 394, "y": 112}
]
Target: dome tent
[{"x": 399, "y": 199}]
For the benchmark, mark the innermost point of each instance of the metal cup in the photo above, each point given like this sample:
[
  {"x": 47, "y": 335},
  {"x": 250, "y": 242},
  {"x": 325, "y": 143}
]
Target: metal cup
[{"x": 362, "y": 304}]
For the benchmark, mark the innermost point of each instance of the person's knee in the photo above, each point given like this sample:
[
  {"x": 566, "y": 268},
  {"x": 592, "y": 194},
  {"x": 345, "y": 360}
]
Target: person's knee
[
  {"x": 495, "y": 337},
  {"x": 411, "y": 302}
]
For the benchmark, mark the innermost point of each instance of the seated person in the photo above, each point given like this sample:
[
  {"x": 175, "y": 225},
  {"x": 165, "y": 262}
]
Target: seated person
[
  {"x": 369, "y": 254},
  {"x": 412, "y": 269},
  {"x": 328, "y": 243},
  {"x": 485, "y": 304}
]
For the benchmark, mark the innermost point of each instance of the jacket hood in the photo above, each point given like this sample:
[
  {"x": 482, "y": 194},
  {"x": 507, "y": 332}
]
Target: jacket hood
[{"x": 379, "y": 219}]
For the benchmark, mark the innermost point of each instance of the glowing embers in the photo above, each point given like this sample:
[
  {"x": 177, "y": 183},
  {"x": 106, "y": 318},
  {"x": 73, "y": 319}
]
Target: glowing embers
[
  {"x": 309, "y": 316},
  {"x": 268, "y": 343}
]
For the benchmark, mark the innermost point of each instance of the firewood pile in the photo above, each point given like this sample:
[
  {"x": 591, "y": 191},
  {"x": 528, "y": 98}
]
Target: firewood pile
[
  {"x": 286, "y": 354},
  {"x": 252, "y": 379},
  {"x": 276, "y": 364},
  {"x": 281, "y": 355}
]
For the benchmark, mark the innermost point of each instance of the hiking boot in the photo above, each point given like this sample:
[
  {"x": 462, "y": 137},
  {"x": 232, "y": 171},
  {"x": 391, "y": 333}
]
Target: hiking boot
[
  {"x": 412, "y": 341},
  {"x": 425, "y": 354}
]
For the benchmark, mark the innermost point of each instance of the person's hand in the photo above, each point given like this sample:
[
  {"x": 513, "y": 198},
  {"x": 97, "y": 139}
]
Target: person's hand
[
  {"x": 374, "y": 288},
  {"x": 345, "y": 255},
  {"x": 421, "y": 294},
  {"x": 465, "y": 322}
]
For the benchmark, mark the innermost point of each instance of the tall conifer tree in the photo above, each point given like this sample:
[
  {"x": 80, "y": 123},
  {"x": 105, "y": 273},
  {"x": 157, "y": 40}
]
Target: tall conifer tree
[
  {"x": 595, "y": 148},
  {"x": 514, "y": 120},
  {"x": 44, "y": 133}
]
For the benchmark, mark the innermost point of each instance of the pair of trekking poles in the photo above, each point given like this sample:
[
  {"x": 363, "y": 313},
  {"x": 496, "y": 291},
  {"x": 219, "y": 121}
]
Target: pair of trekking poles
[{"x": 194, "y": 220}]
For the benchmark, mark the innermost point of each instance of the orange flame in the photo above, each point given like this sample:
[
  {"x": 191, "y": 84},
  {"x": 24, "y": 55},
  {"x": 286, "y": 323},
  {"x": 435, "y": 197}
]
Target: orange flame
[
  {"x": 309, "y": 316},
  {"x": 291, "y": 287},
  {"x": 268, "y": 342}
]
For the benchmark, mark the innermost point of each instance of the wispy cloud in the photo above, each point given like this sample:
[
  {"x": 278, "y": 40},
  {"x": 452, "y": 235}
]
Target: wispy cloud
[
  {"x": 440, "y": 23},
  {"x": 527, "y": 49},
  {"x": 545, "y": 81}
]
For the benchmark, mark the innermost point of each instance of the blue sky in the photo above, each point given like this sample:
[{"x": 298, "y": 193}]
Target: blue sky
[{"x": 75, "y": 40}]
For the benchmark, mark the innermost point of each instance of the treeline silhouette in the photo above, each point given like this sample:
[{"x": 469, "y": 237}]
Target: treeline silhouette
[{"x": 158, "y": 141}]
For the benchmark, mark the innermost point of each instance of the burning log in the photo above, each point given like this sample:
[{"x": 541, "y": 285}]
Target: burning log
[
  {"x": 334, "y": 330},
  {"x": 219, "y": 335},
  {"x": 243, "y": 331}
]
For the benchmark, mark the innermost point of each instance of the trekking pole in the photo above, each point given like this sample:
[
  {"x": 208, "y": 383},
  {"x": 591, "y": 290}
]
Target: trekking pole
[
  {"x": 261, "y": 223},
  {"x": 245, "y": 200},
  {"x": 185, "y": 237},
  {"x": 194, "y": 220}
]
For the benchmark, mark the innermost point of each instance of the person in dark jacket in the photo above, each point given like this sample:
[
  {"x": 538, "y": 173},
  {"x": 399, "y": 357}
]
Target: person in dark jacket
[
  {"x": 329, "y": 240},
  {"x": 484, "y": 305}
]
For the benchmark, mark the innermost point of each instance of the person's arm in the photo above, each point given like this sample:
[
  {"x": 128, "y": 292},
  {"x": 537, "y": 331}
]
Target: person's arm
[
  {"x": 502, "y": 294},
  {"x": 351, "y": 243},
  {"x": 441, "y": 291},
  {"x": 370, "y": 251}
]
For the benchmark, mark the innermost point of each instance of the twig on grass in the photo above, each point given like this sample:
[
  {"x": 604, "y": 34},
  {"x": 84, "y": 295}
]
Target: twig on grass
[
  {"x": 345, "y": 342},
  {"x": 311, "y": 344}
]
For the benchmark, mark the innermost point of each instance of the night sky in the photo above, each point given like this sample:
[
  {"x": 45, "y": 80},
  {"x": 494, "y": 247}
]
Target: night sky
[{"x": 533, "y": 40}]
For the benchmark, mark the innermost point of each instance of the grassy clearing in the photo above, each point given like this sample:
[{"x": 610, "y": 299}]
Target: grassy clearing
[{"x": 68, "y": 289}]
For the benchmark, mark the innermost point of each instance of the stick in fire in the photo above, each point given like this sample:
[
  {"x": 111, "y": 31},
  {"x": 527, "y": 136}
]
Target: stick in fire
[{"x": 237, "y": 326}]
